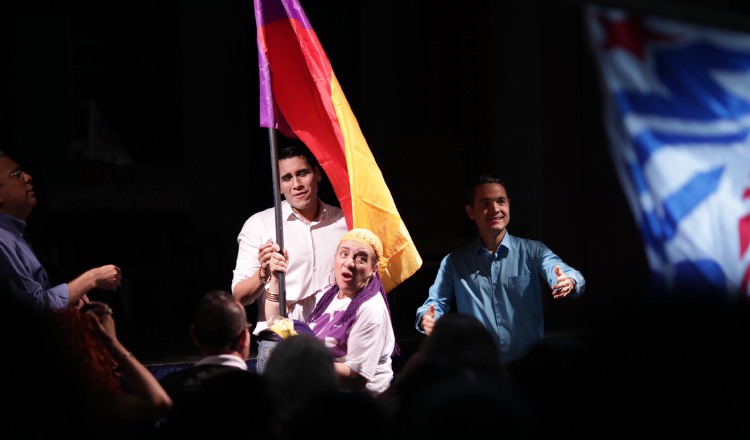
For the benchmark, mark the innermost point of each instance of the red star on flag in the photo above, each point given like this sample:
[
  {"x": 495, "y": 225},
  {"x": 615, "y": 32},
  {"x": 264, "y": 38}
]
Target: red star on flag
[
  {"x": 630, "y": 34},
  {"x": 744, "y": 230}
]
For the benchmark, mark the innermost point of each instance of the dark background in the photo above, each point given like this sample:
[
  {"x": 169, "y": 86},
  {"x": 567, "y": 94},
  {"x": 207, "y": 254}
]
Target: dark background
[{"x": 441, "y": 93}]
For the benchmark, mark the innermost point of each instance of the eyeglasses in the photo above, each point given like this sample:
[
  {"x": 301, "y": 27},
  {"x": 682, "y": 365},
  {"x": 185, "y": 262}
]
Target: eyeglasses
[{"x": 17, "y": 173}]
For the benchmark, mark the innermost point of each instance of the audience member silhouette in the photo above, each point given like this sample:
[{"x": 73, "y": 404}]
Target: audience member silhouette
[
  {"x": 233, "y": 404},
  {"x": 220, "y": 333},
  {"x": 299, "y": 371},
  {"x": 212, "y": 396},
  {"x": 42, "y": 393},
  {"x": 459, "y": 342},
  {"x": 555, "y": 378},
  {"x": 353, "y": 413},
  {"x": 456, "y": 383},
  {"x": 462, "y": 342},
  {"x": 305, "y": 389},
  {"x": 124, "y": 397}
]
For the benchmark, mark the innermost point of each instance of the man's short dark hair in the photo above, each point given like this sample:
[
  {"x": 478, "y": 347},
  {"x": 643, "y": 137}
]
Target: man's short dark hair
[
  {"x": 219, "y": 320},
  {"x": 299, "y": 150},
  {"x": 483, "y": 179}
]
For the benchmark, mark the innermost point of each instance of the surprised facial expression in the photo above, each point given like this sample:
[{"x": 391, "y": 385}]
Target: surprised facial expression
[{"x": 354, "y": 266}]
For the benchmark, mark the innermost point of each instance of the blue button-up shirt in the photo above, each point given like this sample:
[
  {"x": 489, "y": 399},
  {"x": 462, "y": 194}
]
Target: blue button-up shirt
[
  {"x": 22, "y": 277},
  {"x": 503, "y": 290}
]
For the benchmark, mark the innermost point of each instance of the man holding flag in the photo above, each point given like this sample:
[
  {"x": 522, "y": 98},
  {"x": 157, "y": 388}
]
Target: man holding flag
[
  {"x": 300, "y": 95},
  {"x": 312, "y": 229}
]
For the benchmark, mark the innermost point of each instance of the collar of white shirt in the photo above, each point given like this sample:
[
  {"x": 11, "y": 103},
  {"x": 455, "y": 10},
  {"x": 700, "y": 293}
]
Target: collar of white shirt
[{"x": 229, "y": 360}]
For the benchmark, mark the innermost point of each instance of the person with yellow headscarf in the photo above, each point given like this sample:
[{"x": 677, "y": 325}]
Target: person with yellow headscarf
[{"x": 352, "y": 315}]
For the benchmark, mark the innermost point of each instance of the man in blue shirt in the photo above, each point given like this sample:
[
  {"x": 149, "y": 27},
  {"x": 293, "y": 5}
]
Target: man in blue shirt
[
  {"x": 499, "y": 278},
  {"x": 22, "y": 277}
]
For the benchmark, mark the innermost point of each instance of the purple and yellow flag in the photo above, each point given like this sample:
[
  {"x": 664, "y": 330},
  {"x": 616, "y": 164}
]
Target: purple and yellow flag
[{"x": 300, "y": 96}]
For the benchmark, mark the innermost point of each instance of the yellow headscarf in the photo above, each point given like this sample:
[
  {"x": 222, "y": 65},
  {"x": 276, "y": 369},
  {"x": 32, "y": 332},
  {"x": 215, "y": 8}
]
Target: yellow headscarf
[{"x": 365, "y": 236}]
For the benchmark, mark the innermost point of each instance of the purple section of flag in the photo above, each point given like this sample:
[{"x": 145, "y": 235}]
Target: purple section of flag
[
  {"x": 267, "y": 118},
  {"x": 266, "y": 12}
]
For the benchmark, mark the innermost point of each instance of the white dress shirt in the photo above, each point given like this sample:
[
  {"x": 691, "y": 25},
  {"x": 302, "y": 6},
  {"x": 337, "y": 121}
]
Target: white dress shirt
[{"x": 311, "y": 247}]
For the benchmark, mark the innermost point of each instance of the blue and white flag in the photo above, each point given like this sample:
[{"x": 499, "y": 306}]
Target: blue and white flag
[{"x": 677, "y": 112}]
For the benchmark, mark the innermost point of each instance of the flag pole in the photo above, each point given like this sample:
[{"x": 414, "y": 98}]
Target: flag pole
[
  {"x": 316, "y": 112},
  {"x": 277, "y": 207}
]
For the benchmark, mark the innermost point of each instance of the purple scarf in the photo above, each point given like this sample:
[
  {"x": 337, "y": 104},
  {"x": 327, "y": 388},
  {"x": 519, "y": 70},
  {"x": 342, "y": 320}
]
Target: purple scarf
[{"x": 372, "y": 288}]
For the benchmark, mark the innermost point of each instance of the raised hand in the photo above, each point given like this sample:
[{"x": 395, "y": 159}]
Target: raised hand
[
  {"x": 428, "y": 320},
  {"x": 107, "y": 277},
  {"x": 265, "y": 252},
  {"x": 565, "y": 285}
]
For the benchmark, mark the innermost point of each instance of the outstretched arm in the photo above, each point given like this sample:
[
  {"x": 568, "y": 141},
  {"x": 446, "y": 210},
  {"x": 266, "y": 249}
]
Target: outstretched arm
[
  {"x": 107, "y": 277},
  {"x": 565, "y": 285}
]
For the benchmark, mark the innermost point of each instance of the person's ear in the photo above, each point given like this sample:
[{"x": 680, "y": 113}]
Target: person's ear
[
  {"x": 470, "y": 211},
  {"x": 243, "y": 343},
  {"x": 193, "y": 336}
]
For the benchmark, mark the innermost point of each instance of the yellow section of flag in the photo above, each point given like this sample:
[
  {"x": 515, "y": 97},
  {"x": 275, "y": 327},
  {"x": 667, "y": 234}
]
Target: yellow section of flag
[{"x": 372, "y": 204}]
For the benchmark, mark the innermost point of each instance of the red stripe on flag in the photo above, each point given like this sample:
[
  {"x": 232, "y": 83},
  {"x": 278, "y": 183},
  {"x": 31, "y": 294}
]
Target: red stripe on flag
[{"x": 301, "y": 82}]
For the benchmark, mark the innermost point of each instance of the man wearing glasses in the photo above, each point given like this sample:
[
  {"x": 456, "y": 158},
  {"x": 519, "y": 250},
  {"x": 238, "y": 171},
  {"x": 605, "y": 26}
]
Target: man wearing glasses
[{"x": 22, "y": 277}]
